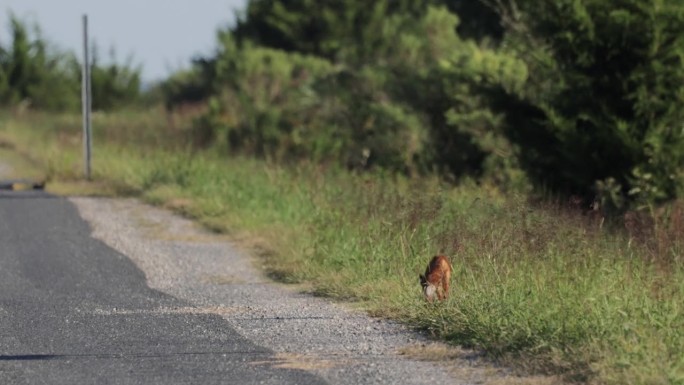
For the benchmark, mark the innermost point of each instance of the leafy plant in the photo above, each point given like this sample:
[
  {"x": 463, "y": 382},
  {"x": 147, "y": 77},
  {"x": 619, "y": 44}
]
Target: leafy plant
[
  {"x": 33, "y": 73},
  {"x": 600, "y": 101}
]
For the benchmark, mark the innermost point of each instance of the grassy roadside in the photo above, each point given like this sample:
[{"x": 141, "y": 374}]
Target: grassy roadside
[{"x": 543, "y": 286}]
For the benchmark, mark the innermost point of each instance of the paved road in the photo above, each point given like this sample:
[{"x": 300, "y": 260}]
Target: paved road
[{"x": 59, "y": 294}]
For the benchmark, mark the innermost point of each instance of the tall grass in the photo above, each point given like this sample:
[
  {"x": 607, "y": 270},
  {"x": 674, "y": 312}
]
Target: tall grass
[{"x": 538, "y": 285}]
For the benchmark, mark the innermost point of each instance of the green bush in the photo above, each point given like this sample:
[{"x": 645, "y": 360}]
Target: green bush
[
  {"x": 582, "y": 95},
  {"x": 113, "y": 85},
  {"x": 602, "y": 109},
  {"x": 265, "y": 102},
  {"x": 444, "y": 77},
  {"x": 34, "y": 74},
  {"x": 409, "y": 104},
  {"x": 289, "y": 106},
  {"x": 346, "y": 31}
]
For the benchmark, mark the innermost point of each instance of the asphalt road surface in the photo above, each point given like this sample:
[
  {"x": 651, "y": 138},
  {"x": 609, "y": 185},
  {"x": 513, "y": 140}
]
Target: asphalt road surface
[{"x": 55, "y": 281}]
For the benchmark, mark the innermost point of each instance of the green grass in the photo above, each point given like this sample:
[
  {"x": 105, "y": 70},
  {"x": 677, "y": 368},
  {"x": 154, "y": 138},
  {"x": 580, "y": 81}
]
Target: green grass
[{"x": 537, "y": 286}]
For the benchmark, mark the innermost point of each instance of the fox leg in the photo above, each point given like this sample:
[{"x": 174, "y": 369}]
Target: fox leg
[
  {"x": 445, "y": 288},
  {"x": 440, "y": 289}
]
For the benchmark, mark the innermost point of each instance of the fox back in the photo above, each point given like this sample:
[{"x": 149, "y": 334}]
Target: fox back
[{"x": 435, "y": 281}]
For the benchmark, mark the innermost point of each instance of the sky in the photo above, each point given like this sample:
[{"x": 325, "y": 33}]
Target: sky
[{"x": 161, "y": 35}]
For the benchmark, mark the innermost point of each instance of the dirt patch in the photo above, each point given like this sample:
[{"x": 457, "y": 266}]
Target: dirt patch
[
  {"x": 158, "y": 229},
  {"x": 444, "y": 354},
  {"x": 301, "y": 362},
  {"x": 437, "y": 351}
]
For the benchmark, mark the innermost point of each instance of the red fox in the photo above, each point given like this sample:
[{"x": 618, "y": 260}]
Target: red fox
[{"x": 436, "y": 278}]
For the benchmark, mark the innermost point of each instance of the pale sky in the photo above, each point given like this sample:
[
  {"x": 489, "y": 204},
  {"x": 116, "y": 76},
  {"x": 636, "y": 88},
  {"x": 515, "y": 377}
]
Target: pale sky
[{"x": 162, "y": 35}]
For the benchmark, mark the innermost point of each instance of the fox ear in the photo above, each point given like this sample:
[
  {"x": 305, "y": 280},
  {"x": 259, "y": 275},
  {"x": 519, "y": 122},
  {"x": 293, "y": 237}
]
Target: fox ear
[{"x": 422, "y": 277}]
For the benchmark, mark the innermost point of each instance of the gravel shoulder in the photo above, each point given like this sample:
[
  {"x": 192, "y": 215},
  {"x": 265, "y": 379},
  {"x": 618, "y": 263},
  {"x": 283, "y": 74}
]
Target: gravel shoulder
[{"x": 342, "y": 345}]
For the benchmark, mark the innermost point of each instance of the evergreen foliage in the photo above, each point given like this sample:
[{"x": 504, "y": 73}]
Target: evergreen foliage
[
  {"x": 30, "y": 73},
  {"x": 603, "y": 108},
  {"x": 34, "y": 74},
  {"x": 404, "y": 100},
  {"x": 580, "y": 94},
  {"x": 114, "y": 85},
  {"x": 338, "y": 30}
]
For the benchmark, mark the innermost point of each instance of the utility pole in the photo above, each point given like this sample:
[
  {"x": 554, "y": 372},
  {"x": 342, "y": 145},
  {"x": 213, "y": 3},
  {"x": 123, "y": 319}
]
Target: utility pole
[{"x": 86, "y": 101}]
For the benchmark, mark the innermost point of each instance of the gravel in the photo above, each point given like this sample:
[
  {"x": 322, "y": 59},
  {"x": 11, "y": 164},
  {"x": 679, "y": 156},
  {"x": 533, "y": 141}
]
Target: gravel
[{"x": 342, "y": 345}]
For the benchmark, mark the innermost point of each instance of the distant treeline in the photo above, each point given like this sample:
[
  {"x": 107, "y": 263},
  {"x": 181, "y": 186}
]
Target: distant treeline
[
  {"x": 35, "y": 74},
  {"x": 572, "y": 97}
]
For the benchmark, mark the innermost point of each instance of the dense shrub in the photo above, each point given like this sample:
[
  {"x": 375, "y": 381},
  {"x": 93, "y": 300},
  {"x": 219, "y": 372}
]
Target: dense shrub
[
  {"x": 114, "y": 85},
  {"x": 264, "y": 100},
  {"x": 602, "y": 110},
  {"x": 33, "y": 73},
  {"x": 583, "y": 94},
  {"x": 349, "y": 31},
  {"x": 411, "y": 105},
  {"x": 30, "y": 73}
]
